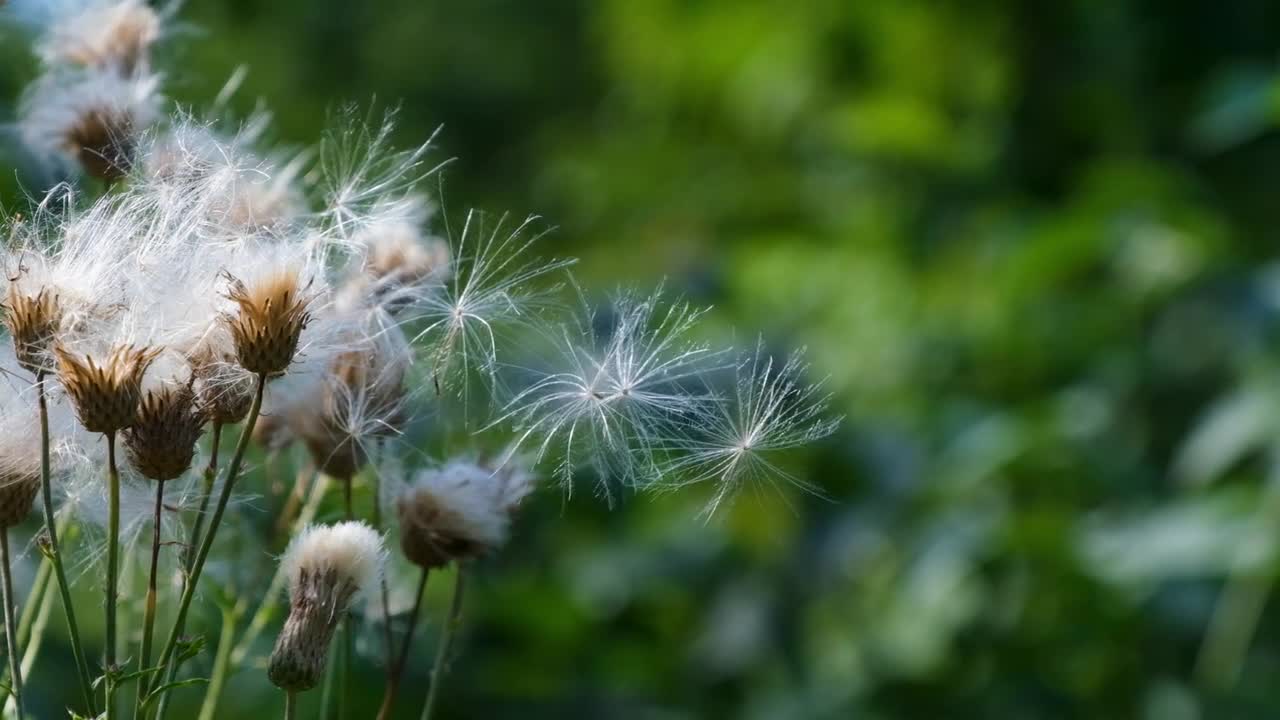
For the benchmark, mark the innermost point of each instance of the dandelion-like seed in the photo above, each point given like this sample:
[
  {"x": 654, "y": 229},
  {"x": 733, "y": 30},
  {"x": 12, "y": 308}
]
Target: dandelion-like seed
[
  {"x": 492, "y": 285},
  {"x": 272, "y": 315},
  {"x": 401, "y": 267},
  {"x": 616, "y": 403},
  {"x": 772, "y": 409},
  {"x": 162, "y": 440},
  {"x": 105, "y": 396},
  {"x": 326, "y": 566},
  {"x": 33, "y": 322},
  {"x": 116, "y": 34},
  {"x": 459, "y": 511}
]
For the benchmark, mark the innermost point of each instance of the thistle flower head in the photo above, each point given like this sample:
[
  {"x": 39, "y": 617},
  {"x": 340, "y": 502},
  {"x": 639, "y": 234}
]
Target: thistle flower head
[
  {"x": 110, "y": 33},
  {"x": 401, "y": 267},
  {"x": 33, "y": 321},
  {"x": 459, "y": 511},
  {"x": 161, "y": 442},
  {"x": 106, "y": 395},
  {"x": 326, "y": 566},
  {"x": 91, "y": 117},
  {"x": 270, "y": 317},
  {"x": 19, "y": 456}
]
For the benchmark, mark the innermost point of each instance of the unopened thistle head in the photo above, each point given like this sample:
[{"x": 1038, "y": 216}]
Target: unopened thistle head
[
  {"x": 162, "y": 440},
  {"x": 105, "y": 396},
  {"x": 117, "y": 33},
  {"x": 326, "y": 566},
  {"x": 459, "y": 511},
  {"x": 33, "y": 322},
  {"x": 271, "y": 315}
]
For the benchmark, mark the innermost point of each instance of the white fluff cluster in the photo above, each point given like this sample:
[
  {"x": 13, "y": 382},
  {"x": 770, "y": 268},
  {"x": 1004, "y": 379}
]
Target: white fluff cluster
[
  {"x": 466, "y": 500},
  {"x": 351, "y": 550}
]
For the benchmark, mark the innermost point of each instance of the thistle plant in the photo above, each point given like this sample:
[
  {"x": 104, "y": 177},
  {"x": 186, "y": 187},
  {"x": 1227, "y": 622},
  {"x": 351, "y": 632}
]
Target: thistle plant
[{"x": 187, "y": 276}]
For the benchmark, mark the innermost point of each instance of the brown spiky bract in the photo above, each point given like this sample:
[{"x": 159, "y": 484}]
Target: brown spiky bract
[
  {"x": 18, "y": 490},
  {"x": 272, "y": 315},
  {"x": 317, "y": 604},
  {"x": 105, "y": 396},
  {"x": 162, "y": 440},
  {"x": 33, "y": 322},
  {"x": 102, "y": 141}
]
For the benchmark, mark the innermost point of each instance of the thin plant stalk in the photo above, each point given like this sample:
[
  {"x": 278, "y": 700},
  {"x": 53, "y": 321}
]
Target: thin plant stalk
[
  {"x": 221, "y": 663},
  {"x": 149, "y": 610},
  {"x": 35, "y": 635},
  {"x": 326, "y": 689},
  {"x": 113, "y": 561},
  {"x": 35, "y": 603},
  {"x": 10, "y": 627},
  {"x": 206, "y": 542},
  {"x": 290, "y": 705},
  {"x": 210, "y": 474},
  {"x": 387, "y": 639},
  {"x": 54, "y": 552},
  {"x": 446, "y": 642},
  {"x": 395, "y": 670}
]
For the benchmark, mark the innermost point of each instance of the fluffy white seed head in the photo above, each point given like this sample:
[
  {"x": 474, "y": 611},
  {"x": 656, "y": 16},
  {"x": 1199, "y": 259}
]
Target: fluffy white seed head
[
  {"x": 352, "y": 551},
  {"x": 460, "y": 510},
  {"x": 102, "y": 33}
]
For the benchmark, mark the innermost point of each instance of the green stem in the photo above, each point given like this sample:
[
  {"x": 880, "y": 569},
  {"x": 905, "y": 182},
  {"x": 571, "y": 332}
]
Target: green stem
[
  {"x": 210, "y": 473},
  {"x": 326, "y": 689},
  {"x": 387, "y": 639},
  {"x": 113, "y": 560},
  {"x": 290, "y": 705},
  {"x": 35, "y": 603},
  {"x": 35, "y": 634},
  {"x": 446, "y": 641},
  {"x": 55, "y": 553},
  {"x": 395, "y": 669},
  {"x": 10, "y": 627},
  {"x": 149, "y": 610},
  {"x": 221, "y": 664},
  {"x": 206, "y": 542}
]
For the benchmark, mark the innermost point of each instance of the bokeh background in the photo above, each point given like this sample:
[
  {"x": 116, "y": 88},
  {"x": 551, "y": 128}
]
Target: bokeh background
[{"x": 1030, "y": 245}]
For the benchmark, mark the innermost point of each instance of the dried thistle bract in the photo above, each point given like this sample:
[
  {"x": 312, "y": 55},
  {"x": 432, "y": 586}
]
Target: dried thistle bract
[
  {"x": 272, "y": 313},
  {"x": 162, "y": 440},
  {"x": 105, "y": 396},
  {"x": 33, "y": 322}
]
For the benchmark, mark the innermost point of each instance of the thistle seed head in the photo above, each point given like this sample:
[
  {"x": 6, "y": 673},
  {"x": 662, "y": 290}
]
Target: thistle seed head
[
  {"x": 271, "y": 316},
  {"x": 162, "y": 440},
  {"x": 460, "y": 511},
  {"x": 117, "y": 34},
  {"x": 361, "y": 398},
  {"x": 326, "y": 567},
  {"x": 105, "y": 396},
  {"x": 223, "y": 388},
  {"x": 33, "y": 322},
  {"x": 101, "y": 139}
]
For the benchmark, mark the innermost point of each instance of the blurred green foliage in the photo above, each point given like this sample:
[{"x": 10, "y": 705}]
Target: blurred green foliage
[{"x": 1029, "y": 243}]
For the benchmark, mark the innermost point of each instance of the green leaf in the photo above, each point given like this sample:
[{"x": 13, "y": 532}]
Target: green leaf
[{"x": 160, "y": 691}]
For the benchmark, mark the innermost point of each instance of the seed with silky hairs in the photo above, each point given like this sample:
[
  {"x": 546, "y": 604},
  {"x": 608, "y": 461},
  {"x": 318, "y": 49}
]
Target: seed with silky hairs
[
  {"x": 360, "y": 382},
  {"x": 272, "y": 315},
  {"x": 224, "y": 389},
  {"x": 162, "y": 440},
  {"x": 33, "y": 322},
  {"x": 105, "y": 396},
  {"x": 326, "y": 567}
]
